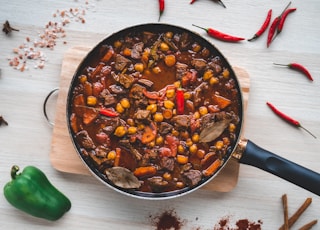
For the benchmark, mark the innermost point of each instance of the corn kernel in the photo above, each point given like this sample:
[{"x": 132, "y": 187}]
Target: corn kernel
[
  {"x": 196, "y": 115},
  {"x": 168, "y": 104},
  {"x": 170, "y": 60},
  {"x": 213, "y": 81},
  {"x": 189, "y": 142},
  {"x": 170, "y": 93},
  {"x": 219, "y": 145},
  {"x": 91, "y": 100},
  {"x": 119, "y": 108},
  {"x": 139, "y": 67},
  {"x": 156, "y": 70},
  {"x": 232, "y": 128},
  {"x": 127, "y": 52},
  {"x": 207, "y": 75},
  {"x": 111, "y": 155},
  {"x": 177, "y": 84},
  {"x": 117, "y": 44},
  {"x": 132, "y": 130},
  {"x": 158, "y": 117},
  {"x": 195, "y": 137},
  {"x": 182, "y": 159},
  {"x": 152, "y": 108},
  {"x": 187, "y": 95},
  {"x": 159, "y": 140},
  {"x": 203, "y": 110},
  {"x": 83, "y": 79},
  {"x": 164, "y": 46},
  {"x": 180, "y": 149},
  {"x": 125, "y": 103},
  {"x": 167, "y": 176},
  {"x": 120, "y": 131},
  {"x": 226, "y": 73},
  {"x": 193, "y": 148}
]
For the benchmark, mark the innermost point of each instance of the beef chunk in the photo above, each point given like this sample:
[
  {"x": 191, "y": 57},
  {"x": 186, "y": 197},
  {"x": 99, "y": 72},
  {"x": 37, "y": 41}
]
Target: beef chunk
[
  {"x": 182, "y": 121},
  {"x": 85, "y": 140},
  {"x": 121, "y": 62},
  {"x": 193, "y": 177},
  {"x": 165, "y": 128},
  {"x": 167, "y": 163},
  {"x": 157, "y": 183}
]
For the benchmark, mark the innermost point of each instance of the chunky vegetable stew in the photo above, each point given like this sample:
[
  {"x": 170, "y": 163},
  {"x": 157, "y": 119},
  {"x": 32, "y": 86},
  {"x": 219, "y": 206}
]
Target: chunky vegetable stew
[{"x": 155, "y": 111}]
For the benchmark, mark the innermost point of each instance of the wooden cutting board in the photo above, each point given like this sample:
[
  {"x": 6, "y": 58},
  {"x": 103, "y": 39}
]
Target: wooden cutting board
[{"x": 63, "y": 155}]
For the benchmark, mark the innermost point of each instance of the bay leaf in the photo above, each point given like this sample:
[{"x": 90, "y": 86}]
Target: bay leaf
[
  {"x": 213, "y": 130},
  {"x": 122, "y": 177}
]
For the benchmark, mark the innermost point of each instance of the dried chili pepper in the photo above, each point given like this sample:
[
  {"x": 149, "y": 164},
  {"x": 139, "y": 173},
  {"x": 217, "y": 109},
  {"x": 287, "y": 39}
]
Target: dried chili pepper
[
  {"x": 161, "y": 8},
  {"x": 274, "y": 25},
  {"x": 192, "y": 1},
  {"x": 298, "y": 67},
  {"x": 263, "y": 27},
  {"x": 180, "y": 101},
  {"x": 288, "y": 119},
  {"x": 221, "y": 36},
  {"x": 219, "y": 1},
  {"x": 102, "y": 111}
]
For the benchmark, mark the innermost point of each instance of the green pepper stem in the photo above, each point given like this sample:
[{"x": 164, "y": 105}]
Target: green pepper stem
[{"x": 14, "y": 171}]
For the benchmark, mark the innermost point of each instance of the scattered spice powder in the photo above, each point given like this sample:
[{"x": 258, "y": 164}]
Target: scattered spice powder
[
  {"x": 168, "y": 220},
  {"x": 32, "y": 49},
  {"x": 241, "y": 224}
]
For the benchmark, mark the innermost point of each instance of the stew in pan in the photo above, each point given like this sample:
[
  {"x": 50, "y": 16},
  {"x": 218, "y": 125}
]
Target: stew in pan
[{"x": 155, "y": 111}]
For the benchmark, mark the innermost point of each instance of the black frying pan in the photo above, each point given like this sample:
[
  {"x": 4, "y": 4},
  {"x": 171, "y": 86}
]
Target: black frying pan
[{"x": 244, "y": 150}]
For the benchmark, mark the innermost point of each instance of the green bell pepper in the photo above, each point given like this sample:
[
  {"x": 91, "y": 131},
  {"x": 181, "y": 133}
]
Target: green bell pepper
[{"x": 32, "y": 192}]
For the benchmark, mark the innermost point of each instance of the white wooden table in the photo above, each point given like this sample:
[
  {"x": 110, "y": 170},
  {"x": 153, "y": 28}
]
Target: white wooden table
[{"x": 257, "y": 195}]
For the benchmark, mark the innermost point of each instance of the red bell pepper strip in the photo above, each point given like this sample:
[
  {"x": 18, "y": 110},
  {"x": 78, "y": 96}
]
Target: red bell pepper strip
[
  {"x": 102, "y": 111},
  {"x": 180, "y": 101}
]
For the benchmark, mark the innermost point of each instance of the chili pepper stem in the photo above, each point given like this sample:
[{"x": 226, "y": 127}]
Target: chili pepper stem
[
  {"x": 307, "y": 131},
  {"x": 200, "y": 27}
]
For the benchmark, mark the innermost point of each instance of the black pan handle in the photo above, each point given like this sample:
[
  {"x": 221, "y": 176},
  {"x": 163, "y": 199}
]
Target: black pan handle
[{"x": 258, "y": 157}]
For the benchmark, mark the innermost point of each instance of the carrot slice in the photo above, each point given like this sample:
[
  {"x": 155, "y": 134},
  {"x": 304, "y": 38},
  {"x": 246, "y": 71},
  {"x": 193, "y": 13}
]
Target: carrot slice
[
  {"x": 212, "y": 168},
  {"x": 145, "y": 171},
  {"x": 148, "y": 135},
  {"x": 222, "y": 102}
]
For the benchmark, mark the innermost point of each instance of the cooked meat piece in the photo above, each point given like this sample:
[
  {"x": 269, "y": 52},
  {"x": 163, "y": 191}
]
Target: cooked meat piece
[
  {"x": 136, "y": 91},
  {"x": 101, "y": 151},
  {"x": 199, "y": 64},
  {"x": 124, "y": 79},
  {"x": 142, "y": 114},
  {"x": 145, "y": 82},
  {"x": 167, "y": 163},
  {"x": 108, "y": 98},
  {"x": 110, "y": 124},
  {"x": 165, "y": 128},
  {"x": 170, "y": 43},
  {"x": 181, "y": 70},
  {"x": 127, "y": 145},
  {"x": 121, "y": 62},
  {"x": 85, "y": 140},
  {"x": 207, "y": 119},
  {"x": 117, "y": 89},
  {"x": 193, "y": 177},
  {"x": 185, "y": 41},
  {"x": 157, "y": 183},
  {"x": 198, "y": 93},
  {"x": 182, "y": 121},
  {"x": 137, "y": 50}
]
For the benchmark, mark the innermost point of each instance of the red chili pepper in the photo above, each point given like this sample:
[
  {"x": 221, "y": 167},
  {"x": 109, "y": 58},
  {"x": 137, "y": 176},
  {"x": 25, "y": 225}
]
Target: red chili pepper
[
  {"x": 283, "y": 18},
  {"x": 298, "y": 67},
  {"x": 274, "y": 26},
  {"x": 287, "y": 118},
  {"x": 272, "y": 30},
  {"x": 221, "y": 36},
  {"x": 192, "y": 1},
  {"x": 103, "y": 111},
  {"x": 161, "y": 8},
  {"x": 180, "y": 101},
  {"x": 263, "y": 27}
]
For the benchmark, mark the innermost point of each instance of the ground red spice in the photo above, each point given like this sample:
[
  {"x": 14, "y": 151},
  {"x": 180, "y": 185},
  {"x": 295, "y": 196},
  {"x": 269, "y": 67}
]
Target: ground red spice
[{"x": 168, "y": 220}]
